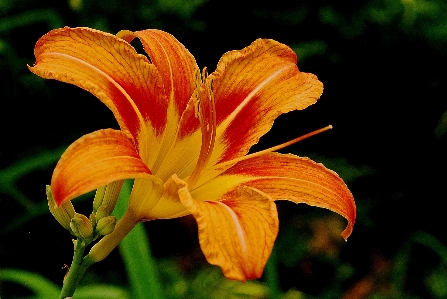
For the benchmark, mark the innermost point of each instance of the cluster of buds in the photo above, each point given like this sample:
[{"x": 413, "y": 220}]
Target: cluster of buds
[{"x": 99, "y": 223}]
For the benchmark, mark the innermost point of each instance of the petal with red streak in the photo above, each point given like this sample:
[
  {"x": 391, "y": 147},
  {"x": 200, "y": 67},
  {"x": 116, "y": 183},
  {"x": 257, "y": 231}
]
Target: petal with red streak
[
  {"x": 192, "y": 147},
  {"x": 178, "y": 70},
  {"x": 95, "y": 160},
  {"x": 109, "y": 68},
  {"x": 252, "y": 87},
  {"x": 286, "y": 177},
  {"x": 236, "y": 233},
  {"x": 174, "y": 62}
]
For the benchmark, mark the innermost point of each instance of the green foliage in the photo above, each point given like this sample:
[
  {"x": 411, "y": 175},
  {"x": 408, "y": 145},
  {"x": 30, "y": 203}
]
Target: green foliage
[
  {"x": 102, "y": 292},
  {"x": 48, "y": 16},
  {"x": 140, "y": 266},
  {"x": 42, "y": 287},
  {"x": 8, "y": 186}
]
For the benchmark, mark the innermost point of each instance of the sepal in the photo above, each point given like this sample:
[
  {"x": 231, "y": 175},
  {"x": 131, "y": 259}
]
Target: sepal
[
  {"x": 107, "y": 196},
  {"x": 62, "y": 214},
  {"x": 81, "y": 226}
]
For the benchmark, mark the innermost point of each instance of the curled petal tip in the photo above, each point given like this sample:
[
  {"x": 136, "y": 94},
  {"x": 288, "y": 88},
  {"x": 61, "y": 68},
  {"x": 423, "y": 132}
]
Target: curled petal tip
[
  {"x": 127, "y": 35},
  {"x": 347, "y": 232}
]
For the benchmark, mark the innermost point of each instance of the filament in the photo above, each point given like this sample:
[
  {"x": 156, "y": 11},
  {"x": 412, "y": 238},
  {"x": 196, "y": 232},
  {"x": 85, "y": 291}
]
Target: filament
[{"x": 274, "y": 148}]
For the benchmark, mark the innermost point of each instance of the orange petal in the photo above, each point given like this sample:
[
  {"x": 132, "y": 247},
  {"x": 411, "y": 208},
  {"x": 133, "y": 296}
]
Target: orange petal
[
  {"x": 146, "y": 193},
  {"x": 286, "y": 177},
  {"x": 109, "y": 68},
  {"x": 251, "y": 88},
  {"x": 178, "y": 70},
  {"x": 192, "y": 150},
  {"x": 95, "y": 160},
  {"x": 236, "y": 233},
  {"x": 167, "y": 205},
  {"x": 174, "y": 62},
  {"x": 194, "y": 142}
]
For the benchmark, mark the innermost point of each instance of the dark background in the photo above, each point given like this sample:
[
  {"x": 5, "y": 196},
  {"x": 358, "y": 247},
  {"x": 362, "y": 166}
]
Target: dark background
[{"x": 384, "y": 67}]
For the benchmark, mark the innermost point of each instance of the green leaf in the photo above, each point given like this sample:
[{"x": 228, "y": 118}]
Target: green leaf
[
  {"x": 48, "y": 16},
  {"x": 272, "y": 276},
  {"x": 135, "y": 250},
  {"x": 101, "y": 292},
  {"x": 42, "y": 287},
  {"x": 431, "y": 242},
  {"x": 9, "y": 177}
]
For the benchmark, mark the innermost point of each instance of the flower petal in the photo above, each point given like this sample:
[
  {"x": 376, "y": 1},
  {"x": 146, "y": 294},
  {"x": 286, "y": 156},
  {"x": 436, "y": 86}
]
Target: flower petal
[
  {"x": 236, "y": 233},
  {"x": 254, "y": 86},
  {"x": 286, "y": 177},
  {"x": 174, "y": 62},
  {"x": 178, "y": 70},
  {"x": 193, "y": 147},
  {"x": 146, "y": 193},
  {"x": 95, "y": 160},
  {"x": 167, "y": 205},
  {"x": 109, "y": 68}
]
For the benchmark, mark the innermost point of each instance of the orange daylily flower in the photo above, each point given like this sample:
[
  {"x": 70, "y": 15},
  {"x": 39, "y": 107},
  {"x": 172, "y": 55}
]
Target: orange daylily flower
[{"x": 184, "y": 137}]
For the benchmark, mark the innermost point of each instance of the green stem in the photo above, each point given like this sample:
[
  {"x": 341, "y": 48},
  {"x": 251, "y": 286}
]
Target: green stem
[
  {"x": 77, "y": 270},
  {"x": 98, "y": 252}
]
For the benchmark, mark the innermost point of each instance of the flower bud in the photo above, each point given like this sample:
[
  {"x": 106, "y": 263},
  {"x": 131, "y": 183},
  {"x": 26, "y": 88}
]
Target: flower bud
[
  {"x": 102, "y": 212},
  {"x": 93, "y": 219},
  {"x": 62, "y": 214},
  {"x": 81, "y": 226},
  {"x": 107, "y": 196},
  {"x": 106, "y": 225}
]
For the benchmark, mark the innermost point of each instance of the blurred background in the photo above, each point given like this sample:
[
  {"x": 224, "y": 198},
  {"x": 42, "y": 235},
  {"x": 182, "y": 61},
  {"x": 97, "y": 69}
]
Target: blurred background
[{"x": 384, "y": 67}]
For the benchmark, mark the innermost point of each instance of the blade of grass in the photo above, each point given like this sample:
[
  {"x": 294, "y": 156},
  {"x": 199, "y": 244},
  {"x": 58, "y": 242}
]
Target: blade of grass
[
  {"x": 271, "y": 276},
  {"x": 431, "y": 242},
  {"x": 101, "y": 292},
  {"x": 9, "y": 176},
  {"x": 135, "y": 250},
  {"x": 400, "y": 268},
  {"x": 41, "y": 286},
  {"x": 48, "y": 16}
]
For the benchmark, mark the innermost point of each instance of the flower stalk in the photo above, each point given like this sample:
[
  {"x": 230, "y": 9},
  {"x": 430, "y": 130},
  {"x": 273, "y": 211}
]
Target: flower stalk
[
  {"x": 103, "y": 248},
  {"x": 77, "y": 269}
]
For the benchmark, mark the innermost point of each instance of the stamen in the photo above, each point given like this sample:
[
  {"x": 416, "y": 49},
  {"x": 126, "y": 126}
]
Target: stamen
[
  {"x": 196, "y": 96},
  {"x": 206, "y": 112},
  {"x": 275, "y": 148},
  {"x": 204, "y": 73}
]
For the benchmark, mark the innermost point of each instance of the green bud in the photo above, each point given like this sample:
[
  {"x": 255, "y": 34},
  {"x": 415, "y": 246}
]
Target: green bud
[
  {"x": 106, "y": 225},
  {"x": 102, "y": 212},
  {"x": 99, "y": 197},
  {"x": 93, "y": 219},
  {"x": 81, "y": 226},
  {"x": 62, "y": 214},
  {"x": 107, "y": 196}
]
